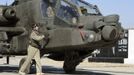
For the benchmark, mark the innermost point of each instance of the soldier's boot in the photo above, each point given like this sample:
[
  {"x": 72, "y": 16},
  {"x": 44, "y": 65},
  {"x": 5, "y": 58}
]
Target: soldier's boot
[
  {"x": 22, "y": 73},
  {"x": 39, "y": 74}
]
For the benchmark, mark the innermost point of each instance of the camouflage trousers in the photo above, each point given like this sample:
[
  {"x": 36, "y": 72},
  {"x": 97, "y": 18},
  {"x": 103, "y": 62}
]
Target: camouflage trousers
[{"x": 33, "y": 53}]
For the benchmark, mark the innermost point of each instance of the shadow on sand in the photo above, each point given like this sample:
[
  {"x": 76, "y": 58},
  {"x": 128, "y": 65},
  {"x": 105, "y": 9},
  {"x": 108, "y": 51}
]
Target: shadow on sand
[{"x": 49, "y": 70}]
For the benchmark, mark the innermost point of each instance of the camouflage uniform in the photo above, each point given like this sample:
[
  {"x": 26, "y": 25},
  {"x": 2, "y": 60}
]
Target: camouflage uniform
[{"x": 33, "y": 52}]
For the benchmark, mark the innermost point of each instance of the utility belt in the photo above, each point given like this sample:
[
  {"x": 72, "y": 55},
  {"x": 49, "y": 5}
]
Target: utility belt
[
  {"x": 34, "y": 43},
  {"x": 38, "y": 44}
]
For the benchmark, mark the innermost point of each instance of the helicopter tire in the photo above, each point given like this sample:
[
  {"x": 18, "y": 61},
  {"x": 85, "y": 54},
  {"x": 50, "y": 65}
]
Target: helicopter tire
[{"x": 71, "y": 61}]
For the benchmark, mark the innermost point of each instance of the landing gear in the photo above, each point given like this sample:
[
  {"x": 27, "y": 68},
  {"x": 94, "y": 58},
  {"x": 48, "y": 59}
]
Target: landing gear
[
  {"x": 28, "y": 67},
  {"x": 8, "y": 58},
  {"x": 72, "y": 59}
]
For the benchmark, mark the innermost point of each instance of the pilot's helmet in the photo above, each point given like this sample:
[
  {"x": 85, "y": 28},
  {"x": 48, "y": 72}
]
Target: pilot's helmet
[{"x": 83, "y": 9}]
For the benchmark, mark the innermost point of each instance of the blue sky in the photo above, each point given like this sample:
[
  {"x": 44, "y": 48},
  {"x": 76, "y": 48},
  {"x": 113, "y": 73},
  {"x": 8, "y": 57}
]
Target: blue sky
[{"x": 122, "y": 7}]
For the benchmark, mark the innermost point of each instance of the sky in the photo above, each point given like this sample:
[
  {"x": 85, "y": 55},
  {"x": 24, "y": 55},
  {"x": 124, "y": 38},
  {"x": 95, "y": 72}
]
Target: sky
[{"x": 124, "y": 8}]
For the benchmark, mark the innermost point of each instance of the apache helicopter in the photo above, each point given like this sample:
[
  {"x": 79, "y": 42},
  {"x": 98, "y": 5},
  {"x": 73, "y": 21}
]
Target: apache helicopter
[{"x": 76, "y": 28}]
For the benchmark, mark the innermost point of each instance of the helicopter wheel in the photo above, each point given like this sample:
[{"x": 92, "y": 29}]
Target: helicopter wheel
[
  {"x": 72, "y": 59},
  {"x": 28, "y": 67}
]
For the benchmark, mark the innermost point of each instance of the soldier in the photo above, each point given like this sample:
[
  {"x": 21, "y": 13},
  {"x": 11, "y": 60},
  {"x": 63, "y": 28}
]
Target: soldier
[
  {"x": 84, "y": 11},
  {"x": 34, "y": 51},
  {"x": 50, "y": 12}
]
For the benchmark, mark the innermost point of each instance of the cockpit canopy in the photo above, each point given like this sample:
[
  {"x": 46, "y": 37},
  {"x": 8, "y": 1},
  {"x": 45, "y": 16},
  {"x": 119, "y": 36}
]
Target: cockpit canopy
[
  {"x": 68, "y": 10},
  {"x": 86, "y": 8}
]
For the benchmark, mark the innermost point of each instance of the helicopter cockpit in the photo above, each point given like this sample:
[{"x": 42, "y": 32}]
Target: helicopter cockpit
[{"x": 86, "y": 8}]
